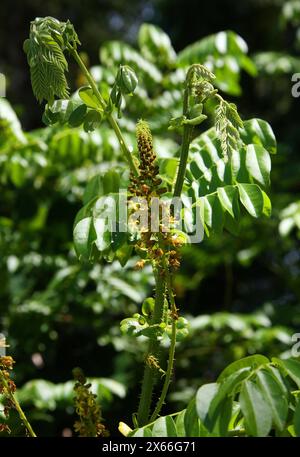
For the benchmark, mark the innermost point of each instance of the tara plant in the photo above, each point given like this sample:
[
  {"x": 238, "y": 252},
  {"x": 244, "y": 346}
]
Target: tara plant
[{"x": 153, "y": 206}]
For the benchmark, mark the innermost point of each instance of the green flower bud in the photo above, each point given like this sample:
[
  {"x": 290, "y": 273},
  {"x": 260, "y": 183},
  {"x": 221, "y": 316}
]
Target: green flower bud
[{"x": 126, "y": 79}]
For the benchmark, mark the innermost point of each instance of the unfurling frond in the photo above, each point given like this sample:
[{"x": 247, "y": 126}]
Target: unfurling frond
[
  {"x": 228, "y": 123},
  {"x": 45, "y": 47},
  {"x": 200, "y": 82},
  {"x": 200, "y": 71}
]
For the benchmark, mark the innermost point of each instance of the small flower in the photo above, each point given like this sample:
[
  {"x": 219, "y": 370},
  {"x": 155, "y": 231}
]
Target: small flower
[
  {"x": 6, "y": 362},
  {"x": 139, "y": 265}
]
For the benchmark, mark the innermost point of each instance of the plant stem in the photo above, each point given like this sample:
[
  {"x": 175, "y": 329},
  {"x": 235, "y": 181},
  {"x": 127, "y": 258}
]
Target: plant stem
[
  {"x": 184, "y": 152},
  {"x": 17, "y": 406},
  {"x": 148, "y": 380},
  {"x": 150, "y": 372},
  {"x": 171, "y": 350},
  {"x": 113, "y": 123},
  {"x": 186, "y": 139}
]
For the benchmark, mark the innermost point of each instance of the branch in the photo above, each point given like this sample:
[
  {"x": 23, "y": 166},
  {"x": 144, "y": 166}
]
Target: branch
[
  {"x": 113, "y": 123},
  {"x": 171, "y": 350}
]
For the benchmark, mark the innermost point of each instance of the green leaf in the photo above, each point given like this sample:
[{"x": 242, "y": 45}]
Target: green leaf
[
  {"x": 252, "y": 198},
  {"x": 277, "y": 63},
  {"x": 87, "y": 96},
  {"x": 224, "y": 416},
  {"x": 277, "y": 376},
  {"x": 220, "y": 44},
  {"x": 259, "y": 132},
  {"x": 132, "y": 326},
  {"x": 256, "y": 411},
  {"x": 228, "y": 198},
  {"x": 84, "y": 238},
  {"x": 115, "y": 53},
  {"x": 291, "y": 367},
  {"x": 165, "y": 427},
  {"x": 123, "y": 254},
  {"x": 8, "y": 115},
  {"x": 144, "y": 432},
  {"x": 204, "y": 398},
  {"x": 226, "y": 388},
  {"x": 77, "y": 116},
  {"x": 213, "y": 213},
  {"x": 18, "y": 166},
  {"x": 179, "y": 422},
  {"x": 155, "y": 45},
  {"x": 92, "y": 120},
  {"x": 212, "y": 399},
  {"x": 297, "y": 419},
  {"x": 252, "y": 361},
  {"x": 258, "y": 164},
  {"x": 105, "y": 217},
  {"x": 274, "y": 396},
  {"x": 191, "y": 420},
  {"x": 102, "y": 218},
  {"x": 225, "y": 54},
  {"x": 111, "y": 182},
  {"x": 102, "y": 184},
  {"x": 168, "y": 169},
  {"x": 69, "y": 146},
  {"x": 267, "y": 209},
  {"x": 60, "y": 111},
  {"x": 93, "y": 189}
]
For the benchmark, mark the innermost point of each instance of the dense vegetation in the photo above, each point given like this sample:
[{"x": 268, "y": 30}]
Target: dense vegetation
[{"x": 59, "y": 313}]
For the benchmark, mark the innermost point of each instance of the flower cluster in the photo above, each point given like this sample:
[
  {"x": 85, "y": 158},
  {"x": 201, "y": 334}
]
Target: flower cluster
[
  {"x": 147, "y": 186},
  {"x": 89, "y": 412},
  {"x": 7, "y": 388}
]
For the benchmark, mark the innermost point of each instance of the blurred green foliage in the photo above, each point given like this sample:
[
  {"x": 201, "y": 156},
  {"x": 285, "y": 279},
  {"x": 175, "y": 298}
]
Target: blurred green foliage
[{"x": 241, "y": 294}]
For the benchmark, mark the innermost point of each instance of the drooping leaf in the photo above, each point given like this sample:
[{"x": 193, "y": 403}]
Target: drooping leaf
[
  {"x": 223, "y": 417},
  {"x": 179, "y": 422},
  {"x": 191, "y": 420},
  {"x": 258, "y": 163},
  {"x": 257, "y": 412},
  {"x": 252, "y": 198},
  {"x": 204, "y": 398},
  {"x": 227, "y": 388},
  {"x": 257, "y": 131},
  {"x": 77, "y": 116},
  {"x": 228, "y": 198},
  {"x": 274, "y": 396}
]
